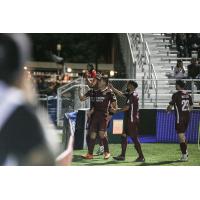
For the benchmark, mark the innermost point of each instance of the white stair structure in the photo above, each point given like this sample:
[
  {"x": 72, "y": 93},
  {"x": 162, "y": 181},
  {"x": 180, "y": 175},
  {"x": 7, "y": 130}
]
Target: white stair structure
[{"x": 155, "y": 59}]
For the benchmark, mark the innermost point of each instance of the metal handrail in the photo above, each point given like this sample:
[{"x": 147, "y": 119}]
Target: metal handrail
[{"x": 131, "y": 50}]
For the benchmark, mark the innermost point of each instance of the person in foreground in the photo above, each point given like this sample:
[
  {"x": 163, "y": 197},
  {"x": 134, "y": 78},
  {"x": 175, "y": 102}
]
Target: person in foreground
[
  {"x": 25, "y": 133},
  {"x": 131, "y": 120},
  {"x": 182, "y": 103}
]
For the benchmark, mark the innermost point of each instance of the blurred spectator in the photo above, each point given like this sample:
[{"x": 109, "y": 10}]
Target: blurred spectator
[
  {"x": 179, "y": 71},
  {"x": 187, "y": 44},
  {"x": 193, "y": 73},
  {"x": 192, "y": 43},
  {"x": 91, "y": 71},
  {"x": 24, "y": 136},
  {"x": 192, "y": 69},
  {"x": 181, "y": 44},
  {"x": 91, "y": 74}
]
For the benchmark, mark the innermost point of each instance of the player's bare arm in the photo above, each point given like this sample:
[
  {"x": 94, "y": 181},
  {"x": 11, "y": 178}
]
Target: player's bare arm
[
  {"x": 89, "y": 113},
  {"x": 125, "y": 108},
  {"x": 89, "y": 82},
  {"x": 81, "y": 97},
  {"x": 169, "y": 108},
  {"x": 190, "y": 108},
  {"x": 117, "y": 92}
]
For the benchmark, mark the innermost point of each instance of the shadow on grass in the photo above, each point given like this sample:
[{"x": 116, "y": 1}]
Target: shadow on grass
[
  {"x": 93, "y": 162},
  {"x": 98, "y": 162},
  {"x": 159, "y": 163}
]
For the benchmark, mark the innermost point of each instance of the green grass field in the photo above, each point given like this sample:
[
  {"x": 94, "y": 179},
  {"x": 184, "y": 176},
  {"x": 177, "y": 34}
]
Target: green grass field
[{"x": 155, "y": 154}]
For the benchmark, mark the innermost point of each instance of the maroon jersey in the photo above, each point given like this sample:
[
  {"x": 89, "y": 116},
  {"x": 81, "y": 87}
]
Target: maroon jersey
[
  {"x": 91, "y": 93},
  {"x": 103, "y": 100},
  {"x": 181, "y": 101},
  {"x": 133, "y": 102}
]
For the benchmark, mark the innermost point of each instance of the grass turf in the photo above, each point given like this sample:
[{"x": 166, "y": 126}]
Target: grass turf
[{"x": 155, "y": 155}]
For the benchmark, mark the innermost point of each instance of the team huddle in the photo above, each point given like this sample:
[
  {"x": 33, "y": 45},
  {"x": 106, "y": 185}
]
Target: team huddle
[{"x": 103, "y": 104}]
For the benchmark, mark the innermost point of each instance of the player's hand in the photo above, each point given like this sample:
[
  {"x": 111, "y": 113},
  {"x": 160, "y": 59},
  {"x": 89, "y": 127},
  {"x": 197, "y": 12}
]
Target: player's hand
[
  {"x": 113, "y": 110},
  {"x": 169, "y": 108},
  {"x": 110, "y": 86},
  {"x": 109, "y": 117}
]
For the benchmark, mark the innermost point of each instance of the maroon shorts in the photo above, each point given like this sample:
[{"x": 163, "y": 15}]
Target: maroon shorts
[
  {"x": 130, "y": 128},
  {"x": 98, "y": 122},
  {"x": 182, "y": 126}
]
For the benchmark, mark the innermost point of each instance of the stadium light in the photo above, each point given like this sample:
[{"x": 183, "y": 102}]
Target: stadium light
[
  {"x": 69, "y": 70},
  {"x": 59, "y": 47},
  {"x": 112, "y": 73}
]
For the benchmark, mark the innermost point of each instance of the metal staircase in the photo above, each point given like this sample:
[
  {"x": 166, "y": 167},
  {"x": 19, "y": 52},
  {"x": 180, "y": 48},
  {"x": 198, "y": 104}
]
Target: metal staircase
[{"x": 152, "y": 53}]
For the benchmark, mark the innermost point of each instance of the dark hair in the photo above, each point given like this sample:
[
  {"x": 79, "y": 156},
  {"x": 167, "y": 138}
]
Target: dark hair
[
  {"x": 133, "y": 83},
  {"x": 180, "y": 83},
  {"x": 14, "y": 52},
  {"x": 90, "y": 66}
]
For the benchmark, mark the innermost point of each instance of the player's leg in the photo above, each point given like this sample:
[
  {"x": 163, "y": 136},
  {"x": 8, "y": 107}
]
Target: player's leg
[
  {"x": 87, "y": 138},
  {"x": 181, "y": 128},
  {"x": 133, "y": 132},
  {"x": 100, "y": 150},
  {"x": 123, "y": 148},
  {"x": 91, "y": 144},
  {"x": 138, "y": 148},
  {"x": 102, "y": 135},
  {"x": 123, "y": 142},
  {"x": 183, "y": 146},
  {"x": 91, "y": 139}
]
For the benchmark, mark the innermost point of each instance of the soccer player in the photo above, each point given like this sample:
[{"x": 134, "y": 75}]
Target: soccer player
[
  {"x": 131, "y": 120},
  {"x": 104, "y": 100},
  {"x": 94, "y": 87},
  {"x": 182, "y": 103}
]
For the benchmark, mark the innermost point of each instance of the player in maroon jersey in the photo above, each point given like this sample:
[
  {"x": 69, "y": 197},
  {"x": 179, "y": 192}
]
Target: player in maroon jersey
[
  {"x": 104, "y": 100},
  {"x": 92, "y": 83},
  {"x": 182, "y": 103},
  {"x": 131, "y": 120}
]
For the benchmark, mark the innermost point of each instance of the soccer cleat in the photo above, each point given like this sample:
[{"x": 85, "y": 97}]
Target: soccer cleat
[
  {"x": 140, "y": 159},
  {"x": 120, "y": 158},
  {"x": 87, "y": 156},
  {"x": 106, "y": 156},
  {"x": 100, "y": 150},
  {"x": 184, "y": 157}
]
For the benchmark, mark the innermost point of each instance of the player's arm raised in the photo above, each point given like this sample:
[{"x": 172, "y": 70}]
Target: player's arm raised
[
  {"x": 117, "y": 92},
  {"x": 125, "y": 108},
  {"x": 82, "y": 97}
]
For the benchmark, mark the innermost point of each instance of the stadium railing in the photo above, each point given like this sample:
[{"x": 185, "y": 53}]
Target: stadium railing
[{"x": 157, "y": 97}]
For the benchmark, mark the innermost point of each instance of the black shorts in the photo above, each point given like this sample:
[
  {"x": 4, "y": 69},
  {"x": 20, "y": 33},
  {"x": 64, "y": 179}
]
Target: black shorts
[
  {"x": 182, "y": 126},
  {"x": 98, "y": 122},
  {"x": 130, "y": 128}
]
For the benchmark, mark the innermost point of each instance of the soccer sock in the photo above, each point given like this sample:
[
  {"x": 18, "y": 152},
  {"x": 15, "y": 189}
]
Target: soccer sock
[
  {"x": 123, "y": 145},
  {"x": 100, "y": 142},
  {"x": 91, "y": 146},
  {"x": 137, "y": 146},
  {"x": 105, "y": 144},
  {"x": 88, "y": 140},
  {"x": 183, "y": 147}
]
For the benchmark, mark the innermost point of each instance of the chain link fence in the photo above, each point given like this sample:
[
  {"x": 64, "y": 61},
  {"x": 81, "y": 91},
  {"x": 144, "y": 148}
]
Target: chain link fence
[
  {"x": 68, "y": 99},
  {"x": 149, "y": 98}
]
